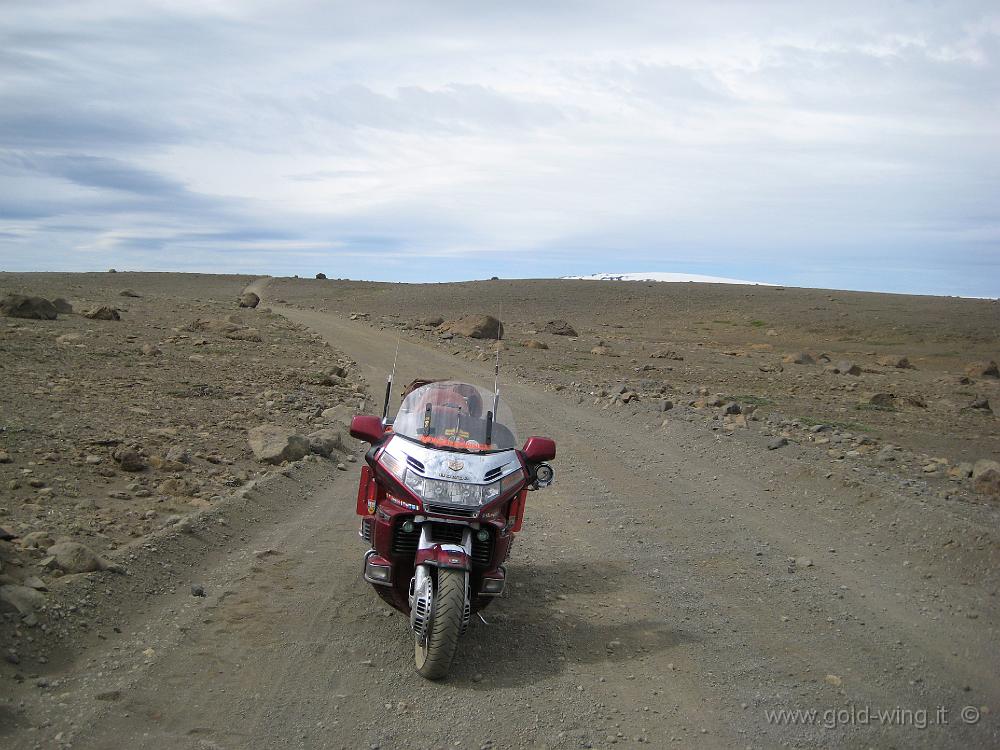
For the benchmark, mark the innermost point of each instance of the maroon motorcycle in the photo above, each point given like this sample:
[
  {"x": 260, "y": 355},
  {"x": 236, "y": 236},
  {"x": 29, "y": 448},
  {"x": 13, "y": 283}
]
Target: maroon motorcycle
[{"x": 441, "y": 498}]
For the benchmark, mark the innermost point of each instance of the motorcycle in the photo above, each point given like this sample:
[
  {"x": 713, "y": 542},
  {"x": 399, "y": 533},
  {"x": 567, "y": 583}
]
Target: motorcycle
[{"x": 441, "y": 498}]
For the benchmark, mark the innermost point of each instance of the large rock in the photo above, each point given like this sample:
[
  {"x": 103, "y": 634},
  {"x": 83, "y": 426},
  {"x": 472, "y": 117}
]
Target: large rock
[
  {"x": 129, "y": 293},
  {"x": 559, "y": 328},
  {"x": 986, "y": 478},
  {"x": 32, "y": 308},
  {"x": 895, "y": 360},
  {"x": 475, "y": 327},
  {"x": 272, "y": 444},
  {"x": 799, "y": 358},
  {"x": 104, "y": 312},
  {"x": 321, "y": 276},
  {"x": 329, "y": 439},
  {"x": 62, "y": 306},
  {"x": 249, "y": 299},
  {"x": 983, "y": 370},
  {"x": 535, "y": 344},
  {"x": 25, "y": 599},
  {"x": 130, "y": 459},
  {"x": 73, "y": 557},
  {"x": 882, "y": 400}
]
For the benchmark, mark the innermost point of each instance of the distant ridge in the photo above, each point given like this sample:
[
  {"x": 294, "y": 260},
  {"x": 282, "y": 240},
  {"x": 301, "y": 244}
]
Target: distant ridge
[{"x": 662, "y": 276}]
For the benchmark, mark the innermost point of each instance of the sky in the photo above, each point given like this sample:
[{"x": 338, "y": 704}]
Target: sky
[{"x": 839, "y": 145}]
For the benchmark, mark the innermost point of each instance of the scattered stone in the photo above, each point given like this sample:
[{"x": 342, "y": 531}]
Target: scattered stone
[
  {"x": 882, "y": 400},
  {"x": 62, "y": 306},
  {"x": 104, "y": 312},
  {"x": 845, "y": 367},
  {"x": 25, "y": 599},
  {"x": 130, "y": 459},
  {"x": 986, "y": 478},
  {"x": 245, "y": 334},
  {"x": 326, "y": 441},
  {"x": 982, "y": 370},
  {"x": 272, "y": 444},
  {"x": 73, "y": 557},
  {"x": 895, "y": 360},
  {"x": 475, "y": 327},
  {"x": 800, "y": 358},
  {"x": 197, "y": 589},
  {"x": 559, "y": 328},
  {"x": 30, "y": 308},
  {"x": 981, "y": 403},
  {"x": 249, "y": 299},
  {"x": 666, "y": 405}
]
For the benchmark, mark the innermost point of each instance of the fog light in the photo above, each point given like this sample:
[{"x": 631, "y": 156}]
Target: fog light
[
  {"x": 482, "y": 535},
  {"x": 492, "y": 586},
  {"x": 408, "y": 526},
  {"x": 377, "y": 570}
]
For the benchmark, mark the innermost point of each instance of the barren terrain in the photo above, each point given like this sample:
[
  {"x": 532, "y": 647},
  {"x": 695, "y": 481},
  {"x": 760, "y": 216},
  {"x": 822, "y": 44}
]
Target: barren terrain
[{"x": 730, "y": 534}]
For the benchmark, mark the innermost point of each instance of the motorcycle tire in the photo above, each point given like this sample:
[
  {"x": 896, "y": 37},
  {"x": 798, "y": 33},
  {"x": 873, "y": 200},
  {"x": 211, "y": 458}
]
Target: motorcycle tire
[{"x": 433, "y": 657}]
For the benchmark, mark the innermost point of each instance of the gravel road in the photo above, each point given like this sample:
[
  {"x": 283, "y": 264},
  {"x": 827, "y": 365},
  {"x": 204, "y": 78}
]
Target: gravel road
[{"x": 673, "y": 588}]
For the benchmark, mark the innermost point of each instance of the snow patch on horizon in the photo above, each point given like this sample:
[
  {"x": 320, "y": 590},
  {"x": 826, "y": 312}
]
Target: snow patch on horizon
[{"x": 664, "y": 276}]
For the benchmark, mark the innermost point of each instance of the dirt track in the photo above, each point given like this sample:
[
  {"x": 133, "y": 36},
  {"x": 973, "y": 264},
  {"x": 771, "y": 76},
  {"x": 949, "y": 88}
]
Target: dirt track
[{"x": 653, "y": 602}]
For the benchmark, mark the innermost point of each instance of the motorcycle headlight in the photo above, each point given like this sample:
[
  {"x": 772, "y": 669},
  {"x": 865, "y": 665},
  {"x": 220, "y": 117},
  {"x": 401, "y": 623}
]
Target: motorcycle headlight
[{"x": 458, "y": 493}]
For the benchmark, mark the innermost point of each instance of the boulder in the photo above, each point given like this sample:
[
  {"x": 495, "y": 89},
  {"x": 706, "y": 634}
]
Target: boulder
[
  {"x": 25, "y": 599},
  {"x": 882, "y": 400},
  {"x": 31, "y": 308},
  {"x": 340, "y": 413},
  {"x": 845, "y": 367},
  {"x": 982, "y": 370},
  {"x": 73, "y": 557},
  {"x": 321, "y": 276},
  {"x": 249, "y": 299},
  {"x": 129, "y": 293},
  {"x": 535, "y": 344},
  {"x": 895, "y": 360},
  {"x": 986, "y": 481},
  {"x": 62, "y": 306},
  {"x": 245, "y": 334},
  {"x": 799, "y": 358},
  {"x": 559, "y": 328},
  {"x": 103, "y": 313},
  {"x": 981, "y": 403},
  {"x": 272, "y": 444},
  {"x": 329, "y": 439},
  {"x": 37, "y": 540},
  {"x": 130, "y": 459},
  {"x": 475, "y": 327}
]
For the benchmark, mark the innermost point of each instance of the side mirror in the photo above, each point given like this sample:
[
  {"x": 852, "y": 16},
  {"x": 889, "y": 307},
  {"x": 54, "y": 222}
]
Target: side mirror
[
  {"x": 538, "y": 449},
  {"x": 367, "y": 429}
]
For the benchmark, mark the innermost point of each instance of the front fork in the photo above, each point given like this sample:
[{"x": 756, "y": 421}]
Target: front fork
[{"x": 421, "y": 594}]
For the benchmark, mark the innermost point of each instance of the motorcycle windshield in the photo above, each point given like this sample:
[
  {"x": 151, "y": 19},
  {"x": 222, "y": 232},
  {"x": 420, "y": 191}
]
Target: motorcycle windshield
[{"x": 455, "y": 416}]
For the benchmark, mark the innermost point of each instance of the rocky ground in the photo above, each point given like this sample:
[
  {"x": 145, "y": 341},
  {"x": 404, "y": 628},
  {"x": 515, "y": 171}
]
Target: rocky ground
[
  {"x": 731, "y": 532},
  {"x": 905, "y": 384},
  {"x": 112, "y": 428}
]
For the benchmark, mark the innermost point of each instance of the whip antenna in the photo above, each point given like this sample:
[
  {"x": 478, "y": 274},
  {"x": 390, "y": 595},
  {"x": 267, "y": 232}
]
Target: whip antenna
[
  {"x": 388, "y": 382},
  {"x": 491, "y": 416}
]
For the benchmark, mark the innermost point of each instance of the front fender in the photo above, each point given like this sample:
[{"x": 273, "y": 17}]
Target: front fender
[{"x": 444, "y": 556}]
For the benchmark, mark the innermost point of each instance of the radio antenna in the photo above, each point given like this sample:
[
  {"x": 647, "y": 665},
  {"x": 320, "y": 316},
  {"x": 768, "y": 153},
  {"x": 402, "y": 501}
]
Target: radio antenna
[
  {"x": 388, "y": 383},
  {"x": 491, "y": 416}
]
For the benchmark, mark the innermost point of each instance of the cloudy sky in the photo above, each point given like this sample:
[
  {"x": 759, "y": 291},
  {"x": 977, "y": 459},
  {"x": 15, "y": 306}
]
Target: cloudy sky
[{"x": 844, "y": 144}]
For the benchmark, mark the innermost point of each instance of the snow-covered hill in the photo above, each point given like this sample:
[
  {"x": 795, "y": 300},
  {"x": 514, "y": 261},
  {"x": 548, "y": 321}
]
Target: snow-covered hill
[{"x": 662, "y": 276}]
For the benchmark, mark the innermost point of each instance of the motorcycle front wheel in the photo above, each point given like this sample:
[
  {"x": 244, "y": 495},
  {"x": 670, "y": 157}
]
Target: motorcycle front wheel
[{"x": 433, "y": 655}]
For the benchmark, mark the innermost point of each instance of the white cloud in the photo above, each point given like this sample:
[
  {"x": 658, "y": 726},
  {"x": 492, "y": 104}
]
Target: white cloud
[{"x": 538, "y": 137}]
